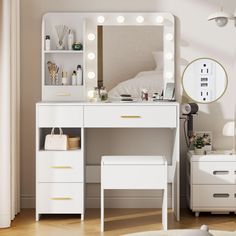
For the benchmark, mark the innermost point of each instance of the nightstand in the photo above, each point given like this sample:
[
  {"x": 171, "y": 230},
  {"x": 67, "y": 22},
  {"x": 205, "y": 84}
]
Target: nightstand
[{"x": 211, "y": 182}]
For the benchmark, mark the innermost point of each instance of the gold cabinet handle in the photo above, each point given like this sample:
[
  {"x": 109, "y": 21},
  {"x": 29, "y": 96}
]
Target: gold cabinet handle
[
  {"x": 131, "y": 117},
  {"x": 61, "y": 198},
  {"x": 61, "y": 167},
  {"x": 63, "y": 94}
]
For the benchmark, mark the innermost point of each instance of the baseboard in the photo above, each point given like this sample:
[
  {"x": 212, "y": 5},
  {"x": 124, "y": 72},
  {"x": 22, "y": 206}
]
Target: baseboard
[{"x": 28, "y": 201}]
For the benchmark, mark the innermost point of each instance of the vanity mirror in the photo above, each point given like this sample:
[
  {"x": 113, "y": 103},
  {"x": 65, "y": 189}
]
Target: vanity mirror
[{"x": 128, "y": 52}]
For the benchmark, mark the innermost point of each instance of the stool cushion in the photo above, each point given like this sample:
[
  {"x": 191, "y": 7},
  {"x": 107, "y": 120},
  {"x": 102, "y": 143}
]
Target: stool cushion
[{"x": 133, "y": 160}]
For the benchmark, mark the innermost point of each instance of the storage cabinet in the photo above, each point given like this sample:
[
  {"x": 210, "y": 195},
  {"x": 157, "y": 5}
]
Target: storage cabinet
[
  {"x": 66, "y": 60},
  {"x": 59, "y": 174},
  {"x": 211, "y": 183}
]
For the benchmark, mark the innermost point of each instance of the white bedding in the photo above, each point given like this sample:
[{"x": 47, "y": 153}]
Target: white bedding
[{"x": 150, "y": 80}]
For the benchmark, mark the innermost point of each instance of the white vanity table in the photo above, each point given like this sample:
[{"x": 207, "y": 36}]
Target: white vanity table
[{"x": 62, "y": 176}]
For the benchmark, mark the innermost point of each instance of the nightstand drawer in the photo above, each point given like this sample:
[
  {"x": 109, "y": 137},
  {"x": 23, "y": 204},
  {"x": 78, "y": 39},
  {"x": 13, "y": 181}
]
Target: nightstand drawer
[
  {"x": 60, "y": 166},
  {"x": 213, "y": 173},
  {"x": 214, "y": 196},
  {"x": 60, "y": 198},
  {"x": 60, "y": 116},
  {"x": 130, "y": 116}
]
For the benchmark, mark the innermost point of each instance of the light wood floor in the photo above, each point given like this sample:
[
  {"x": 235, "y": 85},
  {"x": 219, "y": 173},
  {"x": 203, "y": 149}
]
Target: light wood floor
[{"x": 118, "y": 222}]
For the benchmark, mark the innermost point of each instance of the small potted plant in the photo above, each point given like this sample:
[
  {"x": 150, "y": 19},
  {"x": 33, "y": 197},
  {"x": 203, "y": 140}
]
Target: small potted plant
[{"x": 198, "y": 142}]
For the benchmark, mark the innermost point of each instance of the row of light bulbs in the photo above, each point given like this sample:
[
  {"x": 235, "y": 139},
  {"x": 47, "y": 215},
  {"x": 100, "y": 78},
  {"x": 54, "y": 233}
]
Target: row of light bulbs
[{"x": 121, "y": 19}]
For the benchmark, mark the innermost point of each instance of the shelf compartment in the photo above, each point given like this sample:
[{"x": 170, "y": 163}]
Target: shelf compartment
[{"x": 64, "y": 52}]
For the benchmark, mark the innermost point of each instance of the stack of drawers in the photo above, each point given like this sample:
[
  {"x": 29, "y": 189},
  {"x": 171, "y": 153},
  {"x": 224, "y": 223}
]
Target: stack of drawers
[
  {"x": 59, "y": 174},
  {"x": 212, "y": 183}
]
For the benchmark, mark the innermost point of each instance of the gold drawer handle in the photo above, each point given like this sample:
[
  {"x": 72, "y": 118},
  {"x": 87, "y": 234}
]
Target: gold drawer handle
[
  {"x": 61, "y": 198},
  {"x": 131, "y": 117},
  {"x": 63, "y": 94},
  {"x": 61, "y": 167}
]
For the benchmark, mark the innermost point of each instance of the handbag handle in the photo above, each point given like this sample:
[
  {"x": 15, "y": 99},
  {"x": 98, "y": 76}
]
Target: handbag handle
[{"x": 60, "y": 129}]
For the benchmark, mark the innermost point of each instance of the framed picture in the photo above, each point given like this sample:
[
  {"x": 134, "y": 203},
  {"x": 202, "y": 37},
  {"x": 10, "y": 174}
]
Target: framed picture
[{"x": 207, "y": 135}]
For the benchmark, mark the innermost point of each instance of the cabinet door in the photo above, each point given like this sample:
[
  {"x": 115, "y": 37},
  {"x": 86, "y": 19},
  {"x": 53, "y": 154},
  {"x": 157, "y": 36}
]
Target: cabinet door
[{"x": 60, "y": 116}]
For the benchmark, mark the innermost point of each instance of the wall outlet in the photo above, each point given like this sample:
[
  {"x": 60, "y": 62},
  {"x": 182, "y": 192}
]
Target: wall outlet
[
  {"x": 205, "y": 67},
  {"x": 204, "y": 77}
]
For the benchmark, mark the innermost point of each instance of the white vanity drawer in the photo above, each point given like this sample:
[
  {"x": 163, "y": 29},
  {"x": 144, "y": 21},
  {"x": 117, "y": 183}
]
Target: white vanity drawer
[
  {"x": 213, "y": 172},
  {"x": 134, "y": 176},
  {"x": 60, "y": 166},
  {"x": 215, "y": 196},
  {"x": 60, "y": 197},
  {"x": 130, "y": 116},
  {"x": 60, "y": 116}
]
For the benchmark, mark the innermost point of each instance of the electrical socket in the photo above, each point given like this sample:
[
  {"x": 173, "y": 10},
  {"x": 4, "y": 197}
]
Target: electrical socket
[
  {"x": 205, "y": 67},
  {"x": 205, "y": 95}
]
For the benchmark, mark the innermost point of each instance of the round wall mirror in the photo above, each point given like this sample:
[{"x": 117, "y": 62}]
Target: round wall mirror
[{"x": 204, "y": 80}]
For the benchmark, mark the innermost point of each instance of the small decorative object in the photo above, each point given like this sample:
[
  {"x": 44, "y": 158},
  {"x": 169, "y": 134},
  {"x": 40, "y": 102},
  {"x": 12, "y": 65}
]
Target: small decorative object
[
  {"x": 70, "y": 39},
  {"x": 144, "y": 95},
  {"x": 77, "y": 46},
  {"x": 56, "y": 141},
  {"x": 97, "y": 95},
  {"x": 64, "y": 79},
  {"x": 156, "y": 97},
  {"x": 79, "y": 75},
  {"x": 103, "y": 94},
  {"x": 53, "y": 72},
  {"x": 74, "y": 143},
  {"x": 202, "y": 142},
  {"x": 47, "y": 43},
  {"x": 61, "y": 33},
  {"x": 74, "y": 78}
]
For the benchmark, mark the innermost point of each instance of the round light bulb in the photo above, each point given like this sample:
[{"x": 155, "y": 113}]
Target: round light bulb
[
  {"x": 169, "y": 37},
  {"x": 91, "y": 36},
  {"x": 159, "y": 19},
  {"x": 140, "y": 19},
  {"x": 91, "y": 56},
  {"x": 169, "y": 56},
  {"x": 91, "y": 75},
  {"x": 91, "y": 93},
  {"x": 120, "y": 19},
  {"x": 169, "y": 75},
  {"x": 221, "y": 21},
  {"x": 100, "y": 19}
]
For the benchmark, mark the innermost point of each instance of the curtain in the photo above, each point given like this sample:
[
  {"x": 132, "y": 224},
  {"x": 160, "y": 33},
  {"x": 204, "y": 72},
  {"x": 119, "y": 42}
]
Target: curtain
[{"x": 9, "y": 110}]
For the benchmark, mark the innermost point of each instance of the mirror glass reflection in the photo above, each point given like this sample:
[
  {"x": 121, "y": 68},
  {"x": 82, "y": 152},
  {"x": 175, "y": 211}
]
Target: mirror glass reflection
[{"x": 130, "y": 58}]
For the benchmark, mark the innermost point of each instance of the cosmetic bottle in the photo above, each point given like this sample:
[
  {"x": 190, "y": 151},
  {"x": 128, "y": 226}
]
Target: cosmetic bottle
[
  {"x": 64, "y": 79},
  {"x": 47, "y": 43},
  {"x": 74, "y": 78},
  {"x": 79, "y": 74},
  {"x": 70, "y": 40}
]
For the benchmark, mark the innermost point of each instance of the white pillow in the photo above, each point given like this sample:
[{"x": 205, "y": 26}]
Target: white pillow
[{"x": 158, "y": 57}]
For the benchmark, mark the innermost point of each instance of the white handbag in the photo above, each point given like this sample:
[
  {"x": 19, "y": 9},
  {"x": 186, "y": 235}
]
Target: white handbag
[{"x": 56, "y": 141}]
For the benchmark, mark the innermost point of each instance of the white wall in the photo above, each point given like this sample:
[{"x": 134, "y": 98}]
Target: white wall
[{"x": 195, "y": 37}]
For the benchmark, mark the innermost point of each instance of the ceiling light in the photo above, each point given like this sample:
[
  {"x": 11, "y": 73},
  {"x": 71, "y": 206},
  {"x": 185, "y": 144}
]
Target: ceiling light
[{"x": 221, "y": 17}]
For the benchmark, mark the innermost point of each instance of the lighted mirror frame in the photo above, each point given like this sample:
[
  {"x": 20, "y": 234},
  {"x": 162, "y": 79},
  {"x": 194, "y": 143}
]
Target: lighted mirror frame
[{"x": 93, "y": 20}]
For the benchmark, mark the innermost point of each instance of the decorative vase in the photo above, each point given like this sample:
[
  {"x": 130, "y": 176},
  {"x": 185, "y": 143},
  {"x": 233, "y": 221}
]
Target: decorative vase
[{"x": 199, "y": 151}]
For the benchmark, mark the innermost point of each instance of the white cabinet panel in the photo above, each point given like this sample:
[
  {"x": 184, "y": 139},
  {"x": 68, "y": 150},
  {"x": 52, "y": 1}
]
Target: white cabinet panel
[
  {"x": 60, "y": 198},
  {"x": 214, "y": 173},
  {"x": 60, "y": 116},
  {"x": 215, "y": 196},
  {"x": 130, "y": 116},
  {"x": 60, "y": 166}
]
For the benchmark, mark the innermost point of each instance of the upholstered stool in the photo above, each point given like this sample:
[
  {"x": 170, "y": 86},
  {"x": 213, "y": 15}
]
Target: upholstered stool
[{"x": 134, "y": 172}]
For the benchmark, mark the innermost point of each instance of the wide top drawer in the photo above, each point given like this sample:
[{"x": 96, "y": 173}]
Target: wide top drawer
[
  {"x": 60, "y": 116},
  {"x": 130, "y": 116}
]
